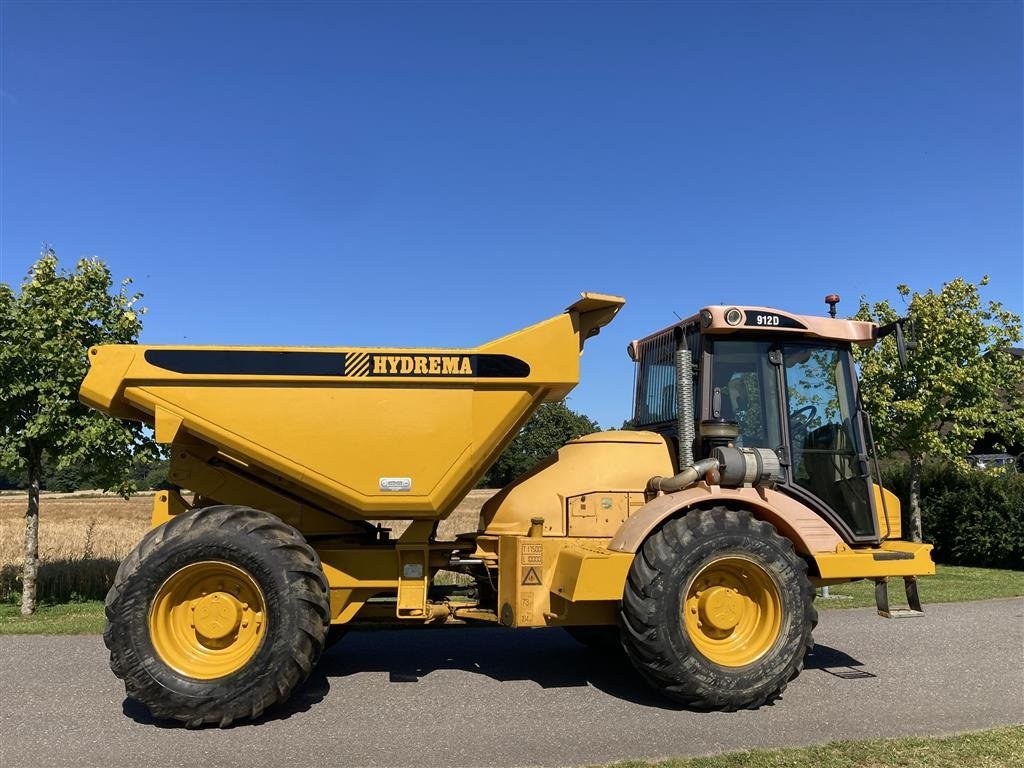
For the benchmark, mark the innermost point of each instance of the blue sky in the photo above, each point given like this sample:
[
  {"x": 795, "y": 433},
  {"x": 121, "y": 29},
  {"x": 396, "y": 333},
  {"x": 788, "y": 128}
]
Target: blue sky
[{"x": 440, "y": 174}]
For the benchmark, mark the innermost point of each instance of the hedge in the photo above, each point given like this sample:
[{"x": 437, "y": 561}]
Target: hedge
[{"x": 973, "y": 517}]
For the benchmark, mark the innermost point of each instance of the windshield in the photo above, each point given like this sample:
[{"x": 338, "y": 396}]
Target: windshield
[{"x": 824, "y": 432}]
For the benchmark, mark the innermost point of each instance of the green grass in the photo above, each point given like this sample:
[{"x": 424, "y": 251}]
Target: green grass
[
  {"x": 950, "y": 584},
  {"x": 998, "y": 748},
  {"x": 64, "y": 619}
]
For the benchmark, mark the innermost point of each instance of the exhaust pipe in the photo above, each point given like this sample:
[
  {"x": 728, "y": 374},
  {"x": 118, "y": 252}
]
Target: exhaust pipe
[{"x": 684, "y": 402}]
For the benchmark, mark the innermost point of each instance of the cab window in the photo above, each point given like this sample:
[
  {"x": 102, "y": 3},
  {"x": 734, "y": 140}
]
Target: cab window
[
  {"x": 744, "y": 389},
  {"x": 655, "y": 401}
]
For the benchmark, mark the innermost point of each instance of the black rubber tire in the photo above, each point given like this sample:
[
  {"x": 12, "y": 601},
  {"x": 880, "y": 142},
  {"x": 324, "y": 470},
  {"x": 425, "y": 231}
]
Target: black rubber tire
[
  {"x": 286, "y": 569},
  {"x": 652, "y": 629},
  {"x": 599, "y": 638}
]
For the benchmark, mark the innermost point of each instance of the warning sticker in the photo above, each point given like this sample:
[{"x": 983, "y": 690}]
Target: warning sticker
[
  {"x": 531, "y": 554},
  {"x": 531, "y": 577}
]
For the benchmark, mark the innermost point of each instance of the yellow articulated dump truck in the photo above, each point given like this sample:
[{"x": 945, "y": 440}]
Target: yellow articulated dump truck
[{"x": 693, "y": 543}]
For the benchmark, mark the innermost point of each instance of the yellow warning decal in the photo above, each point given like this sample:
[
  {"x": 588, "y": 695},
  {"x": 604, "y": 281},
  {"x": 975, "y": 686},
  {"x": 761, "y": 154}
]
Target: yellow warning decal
[{"x": 531, "y": 578}]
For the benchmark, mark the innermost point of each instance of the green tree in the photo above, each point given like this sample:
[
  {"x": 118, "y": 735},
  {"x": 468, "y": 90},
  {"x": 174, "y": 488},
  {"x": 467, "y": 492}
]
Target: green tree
[
  {"x": 151, "y": 472},
  {"x": 45, "y": 334},
  {"x": 550, "y": 427},
  {"x": 959, "y": 383}
]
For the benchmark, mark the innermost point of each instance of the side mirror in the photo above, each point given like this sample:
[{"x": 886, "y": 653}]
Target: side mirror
[
  {"x": 906, "y": 337},
  {"x": 901, "y": 345}
]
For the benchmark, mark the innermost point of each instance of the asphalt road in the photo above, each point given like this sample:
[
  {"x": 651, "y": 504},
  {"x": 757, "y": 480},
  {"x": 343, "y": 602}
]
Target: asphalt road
[{"x": 470, "y": 697}]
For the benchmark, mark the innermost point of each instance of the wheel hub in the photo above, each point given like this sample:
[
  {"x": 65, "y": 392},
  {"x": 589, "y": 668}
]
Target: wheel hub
[
  {"x": 720, "y": 607},
  {"x": 217, "y": 616}
]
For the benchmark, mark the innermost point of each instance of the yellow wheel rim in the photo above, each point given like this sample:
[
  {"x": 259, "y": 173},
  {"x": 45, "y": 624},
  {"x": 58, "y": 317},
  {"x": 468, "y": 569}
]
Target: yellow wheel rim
[
  {"x": 732, "y": 611},
  {"x": 207, "y": 620}
]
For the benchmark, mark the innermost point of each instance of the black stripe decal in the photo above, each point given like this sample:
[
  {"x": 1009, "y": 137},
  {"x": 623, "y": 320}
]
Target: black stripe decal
[
  {"x": 237, "y": 362},
  {"x": 247, "y": 362}
]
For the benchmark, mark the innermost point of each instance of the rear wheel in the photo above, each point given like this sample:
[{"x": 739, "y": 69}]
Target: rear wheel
[
  {"x": 216, "y": 615},
  {"x": 717, "y": 611}
]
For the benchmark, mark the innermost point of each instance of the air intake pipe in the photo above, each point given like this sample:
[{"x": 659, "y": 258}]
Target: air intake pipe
[
  {"x": 684, "y": 479},
  {"x": 732, "y": 467}
]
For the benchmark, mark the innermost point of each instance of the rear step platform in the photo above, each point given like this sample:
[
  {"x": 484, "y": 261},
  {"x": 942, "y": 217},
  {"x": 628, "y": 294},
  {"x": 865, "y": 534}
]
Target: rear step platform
[{"x": 913, "y": 609}]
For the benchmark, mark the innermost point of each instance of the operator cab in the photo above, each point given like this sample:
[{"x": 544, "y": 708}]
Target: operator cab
[{"x": 769, "y": 379}]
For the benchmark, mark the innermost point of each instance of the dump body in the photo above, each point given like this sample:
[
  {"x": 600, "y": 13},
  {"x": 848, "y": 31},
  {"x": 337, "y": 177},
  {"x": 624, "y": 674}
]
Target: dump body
[{"x": 362, "y": 433}]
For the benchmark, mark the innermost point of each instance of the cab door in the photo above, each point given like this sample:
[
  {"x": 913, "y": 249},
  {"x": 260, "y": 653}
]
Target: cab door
[
  {"x": 828, "y": 463},
  {"x": 799, "y": 400}
]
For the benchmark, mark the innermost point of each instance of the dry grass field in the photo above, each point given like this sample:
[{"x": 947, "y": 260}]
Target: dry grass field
[
  {"x": 83, "y": 537},
  {"x": 73, "y": 526}
]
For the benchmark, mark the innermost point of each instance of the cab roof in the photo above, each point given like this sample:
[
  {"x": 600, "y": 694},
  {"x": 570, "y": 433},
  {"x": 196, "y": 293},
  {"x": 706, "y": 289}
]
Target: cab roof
[{"x": 726, "y": 319}]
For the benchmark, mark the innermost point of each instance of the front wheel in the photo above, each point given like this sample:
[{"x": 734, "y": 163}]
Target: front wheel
[
  {"x": 717, "y": 611},
  {"x": 216, "y": 616}
]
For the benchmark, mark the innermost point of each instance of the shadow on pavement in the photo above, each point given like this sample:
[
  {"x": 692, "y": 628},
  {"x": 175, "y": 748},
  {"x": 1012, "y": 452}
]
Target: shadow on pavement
[
  {"x": 548, "y": 657},
  {"x": 836, "y": 663}
]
